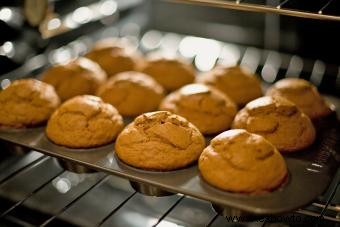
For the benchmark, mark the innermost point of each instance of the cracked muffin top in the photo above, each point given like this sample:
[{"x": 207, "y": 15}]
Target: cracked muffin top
[
  {"x": 78, "y": 77},
  {"x": 159, "y": 141},
  {"x": 132, "y": 93},
  {"x": 304, "y": 94},
  {"x": 239, "y": 161},
  {"x": 115, "y": 56},
  {"x": 207, "y": 108},
  {"x": 84, "y": 122},
  {"x": 279, "y": 121},
  {"x": 236, "y": 82},
  {"x": 27, "y": 102},
  {"x": 170, "y": 73}
]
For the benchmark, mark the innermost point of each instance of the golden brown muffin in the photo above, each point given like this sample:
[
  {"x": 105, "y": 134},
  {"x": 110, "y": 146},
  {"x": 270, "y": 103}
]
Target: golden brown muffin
[
  {"x": 77, "y": 77},
  {"x": 84, "y": 122},
  {"x": 239, "y": 161},
  {"x": 304, "y": 94},
  {"x": 132, "y": 93},
  {"x": 159, "y": 141},
  {"x": 27, "y": 102},
  {"x": 236, "y": 82},
  {"x": 207, "y": 108},
  {"x": 279, "y": 121},
  {"x": 115, "y": 56},
  {"x": 170, "y": 73}
]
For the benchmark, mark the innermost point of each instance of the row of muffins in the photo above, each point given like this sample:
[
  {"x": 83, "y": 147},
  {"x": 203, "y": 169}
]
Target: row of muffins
[{"x": 165, "y": 141}]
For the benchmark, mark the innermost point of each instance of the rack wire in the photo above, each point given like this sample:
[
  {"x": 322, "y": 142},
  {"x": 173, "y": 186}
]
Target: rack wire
[
  {"x": 325, "y": 11},
  {"x": 111, "y": 200}
]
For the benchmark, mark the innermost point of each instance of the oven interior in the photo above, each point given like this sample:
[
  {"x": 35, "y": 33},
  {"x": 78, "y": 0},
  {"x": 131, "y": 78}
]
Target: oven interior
[{"x": 35, "y": 189}]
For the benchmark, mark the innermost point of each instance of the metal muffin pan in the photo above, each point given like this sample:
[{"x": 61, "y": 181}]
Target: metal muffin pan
[{"x": 310, "y": 171}]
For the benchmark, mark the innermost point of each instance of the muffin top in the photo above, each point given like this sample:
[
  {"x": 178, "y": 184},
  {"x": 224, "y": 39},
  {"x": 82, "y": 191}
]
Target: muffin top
[
  {"x": 236, "y": 82},
  {"x": 159, "y": 141},
  {"x": 115, "y": 56},
  {"x": 304, "y": 94},
  {"x": 239, "y": 161},
  {"x": 279, "y": 121},
  {"x": 84, "y": 122},
  {"x": 132, "y": 93},
  {"x": 27, "y": 102},
  {"x": 170, "y": 73},
  {"x": 77, "y": 77},
  {"x": 207, "y": 108}
]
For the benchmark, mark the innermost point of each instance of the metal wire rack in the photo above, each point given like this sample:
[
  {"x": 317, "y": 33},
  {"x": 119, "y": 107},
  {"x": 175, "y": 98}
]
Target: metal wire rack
[
  {"x": 36, "y": 191},
  {"x": 322, "y": 10}
]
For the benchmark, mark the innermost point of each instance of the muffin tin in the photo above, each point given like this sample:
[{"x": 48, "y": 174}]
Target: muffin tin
[{"x": 310, "y": 171}]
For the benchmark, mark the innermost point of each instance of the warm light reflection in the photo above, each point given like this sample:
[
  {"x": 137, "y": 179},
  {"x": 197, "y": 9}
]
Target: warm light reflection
[
  {"x": 295, "y": 67},
  {"x": 66, "y": 181},
  {"x": 6, "y": 14},
  {"x": 5, "y": 83},
  {"x": 61, "y": 55},
  {"x": 205, "y": 51},
  {"x": 82, "y": 15},
  {"x": 108, "y": 7},
  {"x": 230, "y": 55},
  {"x": 151, "y": 40},
  {"x": 7, "y": 49},
  {"x": 53, "y": 24},
  {"x": 269, "y": 73}
]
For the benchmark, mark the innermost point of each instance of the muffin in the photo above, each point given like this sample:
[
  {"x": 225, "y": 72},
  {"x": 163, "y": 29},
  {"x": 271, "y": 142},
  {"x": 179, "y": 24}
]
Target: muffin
[
  {"x": 279, "y": 121},
  {"x": 27, "y": 102},
  {"x": 77, "y": 77},
  {"x": 236, "y": 82},
  {"x": 132, "y": 93},
  {"x": 239, "y": 161},
  {"x": 115, "y": 56},
  {"x": 207, "y": 108},
  {"x": 159, "y": 141},
  {"x": 304, "y": 94},
  {"x": 170, "y": 73},
  {"x": 84, "y": 122}
]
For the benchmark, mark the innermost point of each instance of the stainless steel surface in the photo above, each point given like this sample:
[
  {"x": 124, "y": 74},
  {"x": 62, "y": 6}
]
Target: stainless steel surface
[
  {"x": 266, "y": 8},
  {"x": 150, "y": 190}
]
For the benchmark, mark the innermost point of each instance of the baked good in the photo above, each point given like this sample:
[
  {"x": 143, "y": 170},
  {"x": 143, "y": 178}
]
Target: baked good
[
  {"x": 159, "y": 141},
  {"x": 279, "y": 121},
  {"x": 304, "y": 94},
  {"x": 27, "y": 102},
  {"x": 239, "y": 161},
  {"x": 170, "y": 73},
  {"x": 83, "y": 122},
  {"x": 132, "y": 93},
  {"x": 207, "y": 108},
  {"x": 115, "y": 56},
  {"x": 78, "y": 77},
  {"x": 236, "y": 82}
]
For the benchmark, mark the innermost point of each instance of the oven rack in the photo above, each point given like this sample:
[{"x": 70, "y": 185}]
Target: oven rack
[
  {"x": 36, "y": 191},
  {"x": 322, "y": 10}
]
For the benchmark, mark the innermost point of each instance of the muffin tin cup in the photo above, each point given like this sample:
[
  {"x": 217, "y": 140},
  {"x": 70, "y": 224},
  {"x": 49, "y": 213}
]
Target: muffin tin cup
[
  {"x": 310, "y": 172},
  {"x": 149, "y": 190},
  {"x": 74, "y": 167}
]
